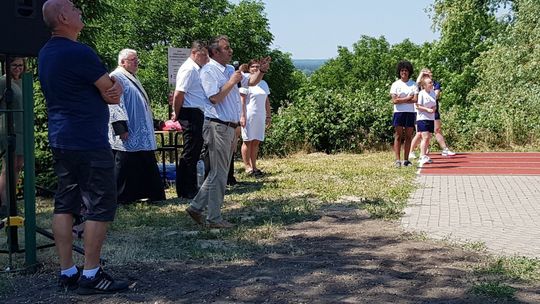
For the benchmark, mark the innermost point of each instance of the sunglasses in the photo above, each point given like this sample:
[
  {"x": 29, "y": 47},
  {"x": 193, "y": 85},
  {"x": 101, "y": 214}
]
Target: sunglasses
[{"x": 17, "y": 65}]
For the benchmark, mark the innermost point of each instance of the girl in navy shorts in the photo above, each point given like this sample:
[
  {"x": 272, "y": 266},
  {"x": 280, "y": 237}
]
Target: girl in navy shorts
[
  {"x": 404, "y": 94},
  {"x": 425, "y": 109},
  {"x": 425, "y": 72}
]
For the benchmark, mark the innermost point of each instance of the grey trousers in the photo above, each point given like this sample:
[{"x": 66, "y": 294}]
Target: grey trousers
[{"x": 218, "y": 138}]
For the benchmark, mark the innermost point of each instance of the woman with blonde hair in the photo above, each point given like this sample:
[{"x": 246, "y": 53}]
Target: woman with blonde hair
[{"x": 426, "y": 73}]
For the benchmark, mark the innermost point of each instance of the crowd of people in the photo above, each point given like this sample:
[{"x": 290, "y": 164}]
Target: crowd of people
[
  {"x": 416, "y": 106},
  {"x": 101, "y": 133},
  {"x": 102, "y": 138}
]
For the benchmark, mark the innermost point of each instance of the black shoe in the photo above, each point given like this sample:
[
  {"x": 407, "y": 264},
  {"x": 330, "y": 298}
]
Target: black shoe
[
  {"x": 232, "y": 181},
  {"x": 66, "y": 283},
  {"x": 188, "y": 195},
  {"x": 101, "y": 283},
  {"x": 407, "y": 163},
  {"x": 257, "y": 173}
]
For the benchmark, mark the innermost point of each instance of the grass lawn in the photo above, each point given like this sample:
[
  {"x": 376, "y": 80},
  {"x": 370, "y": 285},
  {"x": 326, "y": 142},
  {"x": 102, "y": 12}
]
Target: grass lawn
[{"x": 294, "y": 190}]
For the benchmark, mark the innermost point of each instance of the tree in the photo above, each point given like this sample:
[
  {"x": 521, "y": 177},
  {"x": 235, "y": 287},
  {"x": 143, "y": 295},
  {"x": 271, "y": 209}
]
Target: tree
[
  {"x": 151, "y": 26},
  {"x": 466, "y": 27},
  {"x": 247, "y": 27},
  {"x": 367, "y": 65},
  {"x": 371, "y": 64},
  {"x": 282, "y": 79},
  {"x": 507, "y": 95}
]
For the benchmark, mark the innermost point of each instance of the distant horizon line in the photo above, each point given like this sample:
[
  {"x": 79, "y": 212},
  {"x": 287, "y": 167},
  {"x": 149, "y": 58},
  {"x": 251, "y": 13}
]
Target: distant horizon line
[{"x": 311, "y": 59}]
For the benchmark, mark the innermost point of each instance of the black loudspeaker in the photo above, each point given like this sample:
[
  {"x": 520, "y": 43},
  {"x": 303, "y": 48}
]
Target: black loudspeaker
[{"x": 22, "y": 30}]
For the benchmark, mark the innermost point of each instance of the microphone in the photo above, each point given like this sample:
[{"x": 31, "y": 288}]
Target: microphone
[{"x": 236, "y": 65}]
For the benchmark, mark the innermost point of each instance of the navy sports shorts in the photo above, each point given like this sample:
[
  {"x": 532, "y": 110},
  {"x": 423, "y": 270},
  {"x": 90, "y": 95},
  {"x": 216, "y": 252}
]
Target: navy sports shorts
[
  {"x": 437, "y": 115},
  {"x": 85, "y": 177},
  {"x": 404, "y": 119},
  {"x": 425, "y": 126}
]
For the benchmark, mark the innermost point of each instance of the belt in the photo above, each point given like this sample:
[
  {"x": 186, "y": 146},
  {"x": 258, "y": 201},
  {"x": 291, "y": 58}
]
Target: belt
[{"x": 233, "y": 125}]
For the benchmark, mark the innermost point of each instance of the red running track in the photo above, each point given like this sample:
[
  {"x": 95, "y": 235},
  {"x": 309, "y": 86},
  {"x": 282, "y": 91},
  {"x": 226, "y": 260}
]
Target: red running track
[{"x": 488, "y": 163}]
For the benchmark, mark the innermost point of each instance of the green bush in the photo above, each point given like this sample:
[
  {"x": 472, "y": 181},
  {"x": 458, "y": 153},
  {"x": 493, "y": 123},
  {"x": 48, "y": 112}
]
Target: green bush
[{"x": 331, "y": 121}]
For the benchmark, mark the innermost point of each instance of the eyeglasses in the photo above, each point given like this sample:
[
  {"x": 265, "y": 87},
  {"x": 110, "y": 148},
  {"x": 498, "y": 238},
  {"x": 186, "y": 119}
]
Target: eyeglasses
[
  {"x": 17, "y": 65},
  {"x": 133, "y": 59}
]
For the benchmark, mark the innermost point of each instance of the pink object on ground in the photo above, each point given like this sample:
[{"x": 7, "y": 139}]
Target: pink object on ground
[{"x": 172, "y": 126}]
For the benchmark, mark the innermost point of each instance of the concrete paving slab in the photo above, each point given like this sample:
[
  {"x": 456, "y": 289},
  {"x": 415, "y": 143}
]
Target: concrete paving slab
[{"x": 502, "y": 212}]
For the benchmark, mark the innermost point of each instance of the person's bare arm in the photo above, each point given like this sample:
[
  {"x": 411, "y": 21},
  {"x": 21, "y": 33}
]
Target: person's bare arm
[
  {"x": 255, "y": 78},
  {"x": 226, "y": 88},
  {"x": 178, "y": 102},
  {"x": 406, "y": 99},
  {"x": 109, "y": 88},
  {"x": 425, "y": 109},
  {"x": 243, "y": 117},
  {"x": 268, "y": 112}
]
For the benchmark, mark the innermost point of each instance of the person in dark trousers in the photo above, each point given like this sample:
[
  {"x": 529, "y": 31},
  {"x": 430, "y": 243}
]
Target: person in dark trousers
[
  {"x": 222, "y": 116},
  {"x": 77, "y": 89},
  {"x": 132, "y": 138},
  {"x": 188, "y": 102}
]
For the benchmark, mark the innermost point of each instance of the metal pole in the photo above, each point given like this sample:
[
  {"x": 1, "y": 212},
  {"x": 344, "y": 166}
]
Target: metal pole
[{"x": 29, "y": 172}]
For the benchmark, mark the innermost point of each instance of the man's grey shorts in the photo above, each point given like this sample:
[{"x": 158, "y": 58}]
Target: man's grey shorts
[{"x": 85, "y": 177}]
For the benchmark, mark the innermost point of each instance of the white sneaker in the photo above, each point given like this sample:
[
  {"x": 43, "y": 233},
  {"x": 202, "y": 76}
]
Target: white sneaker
[
  {"x": 424, "y": 159},
  {"x": 412, "y": 155},
  {"x": 447, "y": 152}
]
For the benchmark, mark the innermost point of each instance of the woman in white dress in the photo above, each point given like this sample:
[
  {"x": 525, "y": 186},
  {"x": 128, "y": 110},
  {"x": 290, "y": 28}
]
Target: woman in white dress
[{"x": 254, "y": 119}]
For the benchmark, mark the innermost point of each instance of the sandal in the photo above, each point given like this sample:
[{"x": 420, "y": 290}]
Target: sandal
[{"x": 257, "y": 173}]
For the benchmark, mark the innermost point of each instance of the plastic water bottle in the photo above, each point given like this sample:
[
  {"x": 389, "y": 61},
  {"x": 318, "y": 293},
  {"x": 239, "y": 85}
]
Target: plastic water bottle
[{"x": 200, "y": 173}]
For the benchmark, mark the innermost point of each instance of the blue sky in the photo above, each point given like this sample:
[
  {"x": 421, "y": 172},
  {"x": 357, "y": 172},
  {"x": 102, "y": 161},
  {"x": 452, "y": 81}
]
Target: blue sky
[{"x": 313, "y": 29}]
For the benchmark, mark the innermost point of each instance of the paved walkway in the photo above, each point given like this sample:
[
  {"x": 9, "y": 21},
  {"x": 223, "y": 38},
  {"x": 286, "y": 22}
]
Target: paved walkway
[{"x": 502, "y": 212}]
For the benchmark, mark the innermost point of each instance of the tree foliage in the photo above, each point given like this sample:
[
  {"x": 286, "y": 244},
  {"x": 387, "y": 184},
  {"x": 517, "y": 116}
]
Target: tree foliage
[
  {"x": 343, "y": 106},
  {"x": 466, "y": 28},
  {"x": 487, "y": 62},
  {"x": 150, "y": 27},
  {"x": 507, "y": 95}
]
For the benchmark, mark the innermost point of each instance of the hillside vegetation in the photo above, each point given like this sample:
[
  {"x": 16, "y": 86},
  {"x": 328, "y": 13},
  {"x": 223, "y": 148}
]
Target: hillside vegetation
[{"x": 487, "y": 62}]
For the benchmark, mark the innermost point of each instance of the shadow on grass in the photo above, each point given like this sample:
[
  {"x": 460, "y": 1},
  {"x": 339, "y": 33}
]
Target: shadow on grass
[
  {"x": 312, "y": 266},
  {"x": 245, "y": 187}
]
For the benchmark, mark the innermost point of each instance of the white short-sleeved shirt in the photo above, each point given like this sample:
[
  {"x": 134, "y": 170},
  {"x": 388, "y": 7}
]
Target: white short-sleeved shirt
[
  {"x": 402, "y": 89},
  {"x": 213, "y": 78},
  {"x": 427, "y": 100},
  {"x": 189, "y": 82}
]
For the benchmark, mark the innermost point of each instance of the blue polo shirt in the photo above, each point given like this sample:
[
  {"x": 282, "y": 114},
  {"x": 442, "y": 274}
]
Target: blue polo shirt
[{"x": 78, "y": 116}]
